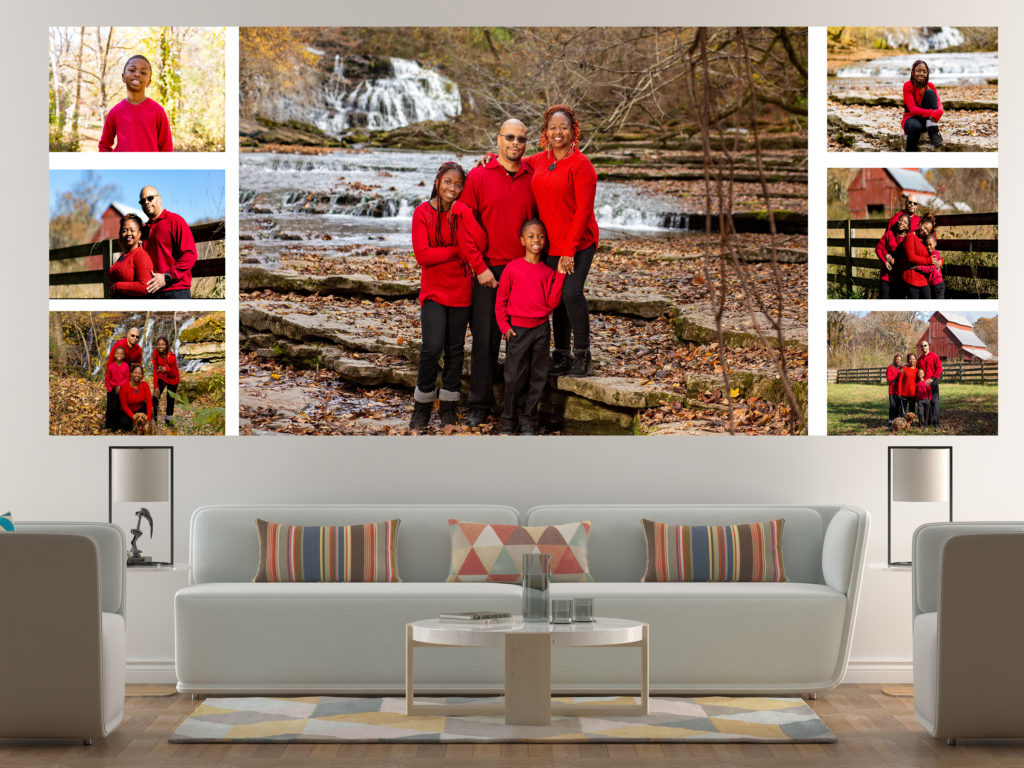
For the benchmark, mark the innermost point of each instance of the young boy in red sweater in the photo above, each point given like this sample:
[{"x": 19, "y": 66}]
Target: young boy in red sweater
[
  {"x": 529, "y": 290},
  {"x": 934, "y": 272},
  {"x": 138, "y": 124},
  {"x": 924, "y": 399},
  {"x": 115, "y": 376}
]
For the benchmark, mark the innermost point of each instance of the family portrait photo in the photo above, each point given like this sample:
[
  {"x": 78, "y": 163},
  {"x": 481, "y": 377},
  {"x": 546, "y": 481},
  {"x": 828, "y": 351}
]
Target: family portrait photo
[
  {"x": 913, "y": 373},
  {"x": 137, "y": 373},
  {"x": 136, "y": 89},
  {"x": 524, "y": 231},
  {"x": 913, "y": 233},
  {"x": 913, "y": 89},
  {"x": 153, "y": 234}
]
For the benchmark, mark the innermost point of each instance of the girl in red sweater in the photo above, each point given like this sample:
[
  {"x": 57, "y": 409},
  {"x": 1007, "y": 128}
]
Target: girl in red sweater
[
  {"x": 922, "y": 108},
  {"x": 907, "y": 386},
  {"x": 448, "y": 244},
  {"x": 114, "y": 378},
  {"x": 886, "y": 249},
  {"x": 892, "y": 375},
  {"x": 913, "y": 253},
  {"x": 137, "y": 124},
  {"x": 136, "y": 403},
  {"x": 130, "y": 273},
  {"x": 165, "y": 376},
  {"x": 564, "y": 184}
]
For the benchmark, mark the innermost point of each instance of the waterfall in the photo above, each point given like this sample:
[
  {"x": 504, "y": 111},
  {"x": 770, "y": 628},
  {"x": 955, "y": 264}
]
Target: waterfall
[
  {"x": 944, "y": 68},
  {"x": 925, "y": 39}
]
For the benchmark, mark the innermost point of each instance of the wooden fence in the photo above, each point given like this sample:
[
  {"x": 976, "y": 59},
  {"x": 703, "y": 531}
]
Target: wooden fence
[
  {"x": 202, "y": 233},
  {"x": 849, "y": 240},
  {"x": 954, "y": 371}
]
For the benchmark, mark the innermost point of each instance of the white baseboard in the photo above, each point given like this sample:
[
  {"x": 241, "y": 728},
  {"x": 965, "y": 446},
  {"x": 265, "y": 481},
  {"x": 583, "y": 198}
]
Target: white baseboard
[
  {"x": 150, "y": 671},
  {"x": 872, "y": 671},
  {"x": 857, "y": 672}
]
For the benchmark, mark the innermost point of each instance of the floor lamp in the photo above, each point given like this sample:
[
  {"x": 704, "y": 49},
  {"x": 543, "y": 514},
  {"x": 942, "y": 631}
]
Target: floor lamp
[{"x": 920, "y": 491}]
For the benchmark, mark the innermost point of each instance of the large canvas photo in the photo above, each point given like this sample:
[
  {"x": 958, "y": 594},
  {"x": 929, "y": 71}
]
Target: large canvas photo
[{"x": 523, "y": 231}]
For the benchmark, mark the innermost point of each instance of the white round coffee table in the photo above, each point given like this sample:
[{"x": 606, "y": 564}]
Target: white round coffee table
[{"x": 527, "y": 663}]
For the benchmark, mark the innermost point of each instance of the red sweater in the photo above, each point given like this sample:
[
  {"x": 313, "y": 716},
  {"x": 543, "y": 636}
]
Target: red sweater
[
  {"x": 892, "y": 375},
  {"x": 914, "y": 254},
  {"x": 887, "y": 243},
  {"x": 527, "y": 294},
  {"x": 116, "y": 375},
  {"x": 170, "y": 362},
  {"x": 172, "y": 248},
  {"x": 130, "y": 273},
  {"x": 907, "y": 386},
  {"x": 135, "y": 399},
  {"x": 912, "y": 104},
  {"x": 931, "y": 365},
  {"x": 924, "y": 391},
  {"x": 565, "y": 201},
  {"x": 934, "y": 272},
  {"x": 449, "y": 263},
  {"x": 132, "y": 354},
  {"x": 137, "y": 128},
  {"x": 501, "y": 203}
]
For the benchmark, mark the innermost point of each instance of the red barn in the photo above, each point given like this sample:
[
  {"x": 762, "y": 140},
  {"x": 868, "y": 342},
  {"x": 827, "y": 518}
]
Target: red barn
[
  {"x": 110, "y": 228},
  {"x": 877, "y": 192},
  {"x": 953, "y": 338}
]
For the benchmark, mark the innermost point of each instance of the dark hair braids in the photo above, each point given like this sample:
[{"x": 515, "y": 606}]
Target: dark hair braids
[
  {"x": 568, "y": 112},
  {"x": 435, "y": 192}
]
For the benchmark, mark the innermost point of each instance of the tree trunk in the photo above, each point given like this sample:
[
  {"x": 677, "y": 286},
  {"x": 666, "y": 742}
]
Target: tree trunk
[
  {"x": 78, "y": 82},
  {"x": 58, "y": 344}
]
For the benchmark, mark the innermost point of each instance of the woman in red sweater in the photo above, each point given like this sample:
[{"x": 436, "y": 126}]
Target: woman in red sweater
[
  {"x": 130, "y": 273},
  {"x": 448, "y": 244},
  {"x": 892, "y": 375},
  {"x": 907, "y": 386},
  {"x": 136, "y": 402},
  {"x": 165, "y": 376},
  {"x": 922, "y": 108},
  {"x": 564, "y": 184},
  {"x": 886, "y": 249},
  {"x": 914, "y": 253}
]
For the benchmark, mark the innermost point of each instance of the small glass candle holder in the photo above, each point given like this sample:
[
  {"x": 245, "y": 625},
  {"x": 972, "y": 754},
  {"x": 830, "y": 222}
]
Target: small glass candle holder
[
  {"x": 583, "y": 609},
  {"x": 561, "y": 610}
]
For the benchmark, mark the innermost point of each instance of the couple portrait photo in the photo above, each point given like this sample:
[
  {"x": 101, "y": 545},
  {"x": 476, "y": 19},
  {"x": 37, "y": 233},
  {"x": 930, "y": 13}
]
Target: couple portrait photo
[
  {"x": 454, "y": 231},
  {"x": 137, "y": 234}
]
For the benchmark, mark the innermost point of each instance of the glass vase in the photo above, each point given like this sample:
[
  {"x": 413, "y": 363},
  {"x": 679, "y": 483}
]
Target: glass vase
[{"x": 536, "y": 587}]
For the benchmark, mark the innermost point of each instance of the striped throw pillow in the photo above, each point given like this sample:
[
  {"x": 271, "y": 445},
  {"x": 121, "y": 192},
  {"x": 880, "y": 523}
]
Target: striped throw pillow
[
  {"x": 749, "y": 552},
  {"x": 494, "y": 552},
  {"x": 6, "y": 522},
  {"x": 330, "y": 553}
]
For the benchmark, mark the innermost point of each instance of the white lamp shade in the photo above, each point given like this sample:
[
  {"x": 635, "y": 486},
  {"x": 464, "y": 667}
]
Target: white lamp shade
[
  {"x": 140, "y": 474},
  {"x": 920, "y": 474}
]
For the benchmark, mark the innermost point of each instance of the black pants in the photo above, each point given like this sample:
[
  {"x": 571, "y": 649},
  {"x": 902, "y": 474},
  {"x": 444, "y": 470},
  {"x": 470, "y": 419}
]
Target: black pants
[
  {"x": 571, "y": 319},
  {"x": 486, "y": 342},
  {"x": 113, "y": 408},
  {"x": 924, "y": 408},
  {"x": 181, "y": 293},
  {"x": 922, "y": 292},
  {"x": 883, "y": 289},
  {"x": 894, "y": 406},
  {"x": 909, "y": 405},
  {"x": 124, "y": 422},
  {"x": 915, "y": 126},
  {"x": 171, "y": 389},
  {"x": 939, "y": 290},
  {"x": 934, "y": 415},
  {"x": 526, "y": 373},
  {"x": 444, "y": 333}
]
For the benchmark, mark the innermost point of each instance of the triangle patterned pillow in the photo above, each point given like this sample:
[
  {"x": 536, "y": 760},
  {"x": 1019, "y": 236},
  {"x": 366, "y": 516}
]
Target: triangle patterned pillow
[{"x": 489, "y": 552}]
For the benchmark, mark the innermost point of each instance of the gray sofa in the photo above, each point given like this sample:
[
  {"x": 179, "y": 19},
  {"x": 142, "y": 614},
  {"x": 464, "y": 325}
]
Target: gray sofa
[{"x": 235, "y": 636}]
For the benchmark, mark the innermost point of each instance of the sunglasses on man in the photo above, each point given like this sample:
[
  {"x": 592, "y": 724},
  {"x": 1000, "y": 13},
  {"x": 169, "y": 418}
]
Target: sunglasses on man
[{"x": 512, "y": 138}]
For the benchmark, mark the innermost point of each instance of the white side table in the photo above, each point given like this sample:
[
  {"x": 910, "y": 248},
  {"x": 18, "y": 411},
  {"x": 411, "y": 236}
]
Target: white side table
[{"x": 527, "y": 663}]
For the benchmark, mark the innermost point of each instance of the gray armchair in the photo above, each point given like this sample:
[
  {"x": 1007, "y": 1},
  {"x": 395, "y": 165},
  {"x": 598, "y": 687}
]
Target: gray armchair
[
  {"x": 968, "y": 582},
  {"x": 62, "y": 647}
]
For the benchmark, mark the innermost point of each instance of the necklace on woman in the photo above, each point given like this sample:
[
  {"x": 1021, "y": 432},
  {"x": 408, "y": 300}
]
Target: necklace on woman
[{"x": 554, "y": 160}]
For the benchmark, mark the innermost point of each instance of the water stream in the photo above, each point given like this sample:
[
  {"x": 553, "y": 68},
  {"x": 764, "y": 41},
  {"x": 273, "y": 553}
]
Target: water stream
[{"x": 945, "y": 69}]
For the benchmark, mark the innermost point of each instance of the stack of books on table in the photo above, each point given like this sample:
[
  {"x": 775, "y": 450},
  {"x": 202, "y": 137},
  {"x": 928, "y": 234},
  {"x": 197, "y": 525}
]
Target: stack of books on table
[{"x": 477, "y": 618}]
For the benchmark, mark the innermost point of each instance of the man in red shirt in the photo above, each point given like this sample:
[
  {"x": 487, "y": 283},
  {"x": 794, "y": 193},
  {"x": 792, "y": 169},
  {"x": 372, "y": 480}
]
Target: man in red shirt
[
  {"x": 910, "y": 206},
  {"x": 170, "y": 245},
  {"x": 931, "y": 365},
  {"x": 131, "y": 346},
  {"x": 500, "y": 195}
]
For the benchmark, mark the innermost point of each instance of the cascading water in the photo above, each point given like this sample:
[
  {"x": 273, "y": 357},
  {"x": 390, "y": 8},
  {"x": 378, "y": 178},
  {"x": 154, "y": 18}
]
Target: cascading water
[
  {"x": 925, "y": 39},
  {"x": 944, "y": 68}
]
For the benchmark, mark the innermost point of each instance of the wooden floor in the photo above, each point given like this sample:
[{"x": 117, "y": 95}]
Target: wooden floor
[{"x": 874, "y": 729}]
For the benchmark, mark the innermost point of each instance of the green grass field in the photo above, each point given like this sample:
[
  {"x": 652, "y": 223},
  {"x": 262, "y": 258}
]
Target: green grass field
[{"x": 863, "y": 409}]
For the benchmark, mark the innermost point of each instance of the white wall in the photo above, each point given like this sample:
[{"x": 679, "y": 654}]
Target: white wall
[{"x": 66, "y": 478}]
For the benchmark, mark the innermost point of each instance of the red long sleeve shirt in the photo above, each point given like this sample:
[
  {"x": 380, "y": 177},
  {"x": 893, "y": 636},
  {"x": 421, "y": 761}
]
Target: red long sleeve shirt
[
  {"x": 914, "y": 254},
  {"x": 130, "y": 273},
  {"x": 170, "y": 362},
  {"x": 907, "y": 386},
  {"x": 116, "y": 375},
  {"x": 527, "y": 294},
  {"x": 565, "y": 201},
  {"x": 132, "y": 354},
  {"x": 448, "y": 264},
  {"x": 931, "y": 365},
  {"x": 912, "y": 97},
  {"x": 892, "y": 375},
  {"x": 136, "y": 399},
  {"x": 501, "y": 203},
  {"x": 169, "y": 243},
  {"x": 137, "y": 128},
  {"x": 924, "y": 391},
  {"x": 887, "y": 243},
  {"x": 934, "y": 272}
]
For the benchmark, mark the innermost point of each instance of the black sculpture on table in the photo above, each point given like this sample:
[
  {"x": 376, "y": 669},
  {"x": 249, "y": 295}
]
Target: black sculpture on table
[{"x": 135, "y": 556}]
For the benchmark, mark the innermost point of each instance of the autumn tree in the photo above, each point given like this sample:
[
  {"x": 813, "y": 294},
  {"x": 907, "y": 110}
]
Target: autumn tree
[{"x": 73, "y": 219}]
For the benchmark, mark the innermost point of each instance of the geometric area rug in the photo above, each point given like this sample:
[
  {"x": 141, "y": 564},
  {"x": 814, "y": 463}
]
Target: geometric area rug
[{"x": 330, "y": 719}]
